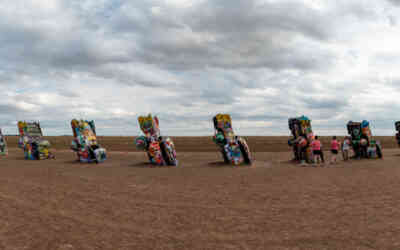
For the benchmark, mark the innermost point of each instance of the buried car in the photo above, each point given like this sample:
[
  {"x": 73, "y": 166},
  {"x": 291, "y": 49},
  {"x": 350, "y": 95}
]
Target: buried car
[
  {"x": 302, "y": 136},
  {"x": 31, "y": 141},
  {"x": 85, "y": 142},
  {"x": 3, "y": 144},
  {"x": 397, "y": 126},
  {"x": 362, "y": 142},
  {"x": 234, "y": 149},
  {"x": 159, "y": 149}
]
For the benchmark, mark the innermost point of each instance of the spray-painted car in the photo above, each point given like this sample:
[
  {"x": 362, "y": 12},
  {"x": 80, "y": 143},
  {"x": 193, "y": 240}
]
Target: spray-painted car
[
  {"x": 3, "y": 144},
  {"x": 159, "y": 149},
  {"x": 31, "y": 141},
  {"x": 302, "y": 136},
  {"x": 364, "y": 146},
  {"x": 85, "y": 142},
  {"x": 397, "y": 125},
  {"x": 234, "y": 149}
]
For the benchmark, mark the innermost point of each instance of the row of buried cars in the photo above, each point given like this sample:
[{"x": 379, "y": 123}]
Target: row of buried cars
[
  {"x": 159, "y": 149},
  {"x": 360, "y": 136}
]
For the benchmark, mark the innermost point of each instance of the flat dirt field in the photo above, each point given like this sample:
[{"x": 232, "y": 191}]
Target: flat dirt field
[{"x": 202, "y": 204}]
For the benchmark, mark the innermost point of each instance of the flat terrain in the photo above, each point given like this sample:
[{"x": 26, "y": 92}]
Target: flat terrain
[
  {"x": 196, "y": 143},
  {"x": 203, "y": 204}
]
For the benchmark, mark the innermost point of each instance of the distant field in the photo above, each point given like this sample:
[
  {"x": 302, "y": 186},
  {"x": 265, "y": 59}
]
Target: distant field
[{"x": 195, "y": 143}]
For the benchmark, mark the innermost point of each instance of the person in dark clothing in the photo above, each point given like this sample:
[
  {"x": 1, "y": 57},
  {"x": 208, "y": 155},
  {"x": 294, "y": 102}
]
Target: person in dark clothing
[{"x": 35, "y": 150}]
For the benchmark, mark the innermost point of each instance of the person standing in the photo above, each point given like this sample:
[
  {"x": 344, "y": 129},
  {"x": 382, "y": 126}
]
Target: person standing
[
  {"x": 2, "y": 144},
  {"x": 334, "y": 149},
  {"x": 346, "y": 148},
  {"x": 316, "y": 146},
  {"x": 302, "y": 144}
]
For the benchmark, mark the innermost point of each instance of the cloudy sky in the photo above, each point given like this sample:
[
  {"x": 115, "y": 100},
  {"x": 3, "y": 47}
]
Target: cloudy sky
[{"x": 185, "y": 60}]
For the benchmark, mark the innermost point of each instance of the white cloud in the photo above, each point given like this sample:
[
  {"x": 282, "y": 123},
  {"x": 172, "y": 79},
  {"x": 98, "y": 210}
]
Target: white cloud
[{"x": 260, "y": 60}]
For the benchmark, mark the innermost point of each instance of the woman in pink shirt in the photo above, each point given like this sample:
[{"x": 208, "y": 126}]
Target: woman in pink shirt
[
  {"x": 334, "y": 149},
  {"x": 316, "y": 146}
]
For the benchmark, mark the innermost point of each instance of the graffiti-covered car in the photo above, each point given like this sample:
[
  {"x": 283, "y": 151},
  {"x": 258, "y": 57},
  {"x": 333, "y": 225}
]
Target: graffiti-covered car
[
  {"x": 32, "y": 142},
  {"x": 362, "y": 142},
  {"x": 85, "y": 142},
  {"x": 234, "y": 149},
  {"x": 159, "y": 149},
  {"x": 3, "y": 144},
  {"x": 301, "y": 138}
]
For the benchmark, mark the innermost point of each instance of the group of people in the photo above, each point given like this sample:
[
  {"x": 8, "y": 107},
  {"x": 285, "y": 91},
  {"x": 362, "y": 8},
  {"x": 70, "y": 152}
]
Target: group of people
[{"x": 335, "y": 147}]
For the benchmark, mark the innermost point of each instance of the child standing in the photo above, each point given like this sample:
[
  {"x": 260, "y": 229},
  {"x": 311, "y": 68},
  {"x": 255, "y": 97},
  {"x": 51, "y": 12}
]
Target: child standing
[
  {"x": 316, "y": 147},
  {"x": 334, "y": 149},
  {"x": 346, "y": 148}
]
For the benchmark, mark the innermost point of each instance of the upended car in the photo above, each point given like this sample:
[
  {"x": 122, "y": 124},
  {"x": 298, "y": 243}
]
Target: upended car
[
  {"x": 159, "y": 149},
  {"x": 302, "y": 136},
  {"x": 31, "y": 141},
  {"x": 362, "y": 142},
  {"x": 3, "y": 144},
  {"x": 397, "y": 126},
  {"x": 85, "y": 143},
  {"x": 234, "y": 149}
]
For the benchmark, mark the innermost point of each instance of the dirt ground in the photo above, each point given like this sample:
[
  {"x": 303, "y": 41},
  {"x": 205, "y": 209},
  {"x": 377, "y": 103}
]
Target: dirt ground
[
  {"x": 202, "y": 204},
  {"x": 197, "y": 143}
]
